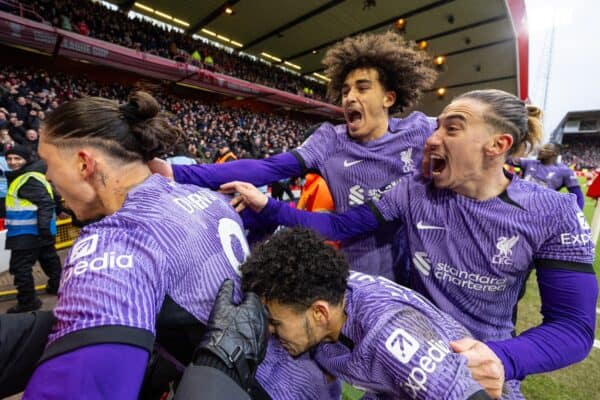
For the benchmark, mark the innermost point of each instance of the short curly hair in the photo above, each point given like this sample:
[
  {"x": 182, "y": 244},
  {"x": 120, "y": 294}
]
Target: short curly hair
[
  {"x": 295, "y": 267},
  {"x": 402, "y": 68}
]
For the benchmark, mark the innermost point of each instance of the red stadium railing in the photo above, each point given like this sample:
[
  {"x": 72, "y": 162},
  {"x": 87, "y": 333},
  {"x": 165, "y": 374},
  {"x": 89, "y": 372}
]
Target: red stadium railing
[
  {"x": 23, "y": 10},
  {"x": 19, "y": 31}
]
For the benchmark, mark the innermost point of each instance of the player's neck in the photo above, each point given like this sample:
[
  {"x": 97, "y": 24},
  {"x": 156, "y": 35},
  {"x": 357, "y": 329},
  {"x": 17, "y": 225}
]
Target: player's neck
[
  {"x": 338, "y": 319},
  {"x": 550, "y": 161},
  {"x": 378, "y": 131},
  {"x": 489, "y": 184},
  {"x": 114, "y": 185}
]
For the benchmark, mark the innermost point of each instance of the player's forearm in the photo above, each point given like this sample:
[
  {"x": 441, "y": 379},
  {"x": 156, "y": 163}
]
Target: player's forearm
[
  {"x": 354, "y": 222},
  {"x": 567, "y": 333},
  {"x": 257, "y": 172},
  {"x": 576, "y": 190}
]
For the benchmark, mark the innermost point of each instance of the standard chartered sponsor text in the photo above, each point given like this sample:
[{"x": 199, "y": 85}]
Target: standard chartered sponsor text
[{"x": 470, "y": 280}]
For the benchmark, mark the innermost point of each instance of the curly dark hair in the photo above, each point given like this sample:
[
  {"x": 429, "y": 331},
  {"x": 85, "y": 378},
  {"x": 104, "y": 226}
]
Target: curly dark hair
[
  {"x": 295, "y": 267},
  {"x": 402, "y": 68}
]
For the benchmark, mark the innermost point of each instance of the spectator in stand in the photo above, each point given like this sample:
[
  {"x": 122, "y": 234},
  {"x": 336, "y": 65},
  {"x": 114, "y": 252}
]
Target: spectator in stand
[
  {"x": 181, "y": 156},
  {"x": 31, "y": 142},
  {"x": 207, "y": 126},
  {"x": 582, "y": 155},
  {"x": 96, "y": 20}
]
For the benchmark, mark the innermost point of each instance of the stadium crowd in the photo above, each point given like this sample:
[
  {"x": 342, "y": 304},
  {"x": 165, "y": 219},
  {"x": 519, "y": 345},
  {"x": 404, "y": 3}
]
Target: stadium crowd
[
  {"x": 95, "y": 20},
  {"x": 582, "y": 155},
  {"x": 28, "y": 96}
]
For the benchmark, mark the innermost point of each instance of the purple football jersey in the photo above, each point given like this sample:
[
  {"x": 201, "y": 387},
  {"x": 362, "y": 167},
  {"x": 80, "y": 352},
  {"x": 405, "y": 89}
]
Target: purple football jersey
[
  {"x": 358, "y": 172},
  {"x": 472, "y": 257},
  {"x": 167, "y": 239},
  {"x": 555, "y": 176},
  {"x": 394, "y": 345}
]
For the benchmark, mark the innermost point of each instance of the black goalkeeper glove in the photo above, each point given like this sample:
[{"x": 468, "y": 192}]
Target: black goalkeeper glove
[{"x": 237, "y": 335}]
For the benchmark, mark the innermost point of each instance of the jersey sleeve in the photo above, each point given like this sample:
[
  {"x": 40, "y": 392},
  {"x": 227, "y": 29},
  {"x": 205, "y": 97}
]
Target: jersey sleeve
[
  {"x": 569, "y": 178},
  {"x": 393, "y": 204},
  {"x": 116, "y": 370},
  {"x": 257, "y": 172},
  {"x": 408, "y": 354},
  {"x": 110, "y": 292},
  {"x": 315, "y": 150},
  {"x": 569, "y": 245}
]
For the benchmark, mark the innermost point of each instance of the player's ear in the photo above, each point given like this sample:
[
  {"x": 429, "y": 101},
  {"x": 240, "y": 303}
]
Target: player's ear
[
  {"x": 320, "y": 312},
  {"x": 389, "y": 99}
]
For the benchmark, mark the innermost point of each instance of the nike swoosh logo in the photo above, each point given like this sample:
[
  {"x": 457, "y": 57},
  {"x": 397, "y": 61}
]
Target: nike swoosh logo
[
  {"x": 351, "y": 163},
  {"x": 422, "y": 226}
]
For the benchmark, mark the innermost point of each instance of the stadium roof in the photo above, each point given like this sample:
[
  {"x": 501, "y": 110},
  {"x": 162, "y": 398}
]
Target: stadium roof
[{"x": 478, "y": 38}]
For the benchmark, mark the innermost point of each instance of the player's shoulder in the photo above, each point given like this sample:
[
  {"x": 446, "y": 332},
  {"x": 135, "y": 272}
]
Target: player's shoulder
[
  {"x": 416, "y": 120},
  {"x": 539, "y": 199}
]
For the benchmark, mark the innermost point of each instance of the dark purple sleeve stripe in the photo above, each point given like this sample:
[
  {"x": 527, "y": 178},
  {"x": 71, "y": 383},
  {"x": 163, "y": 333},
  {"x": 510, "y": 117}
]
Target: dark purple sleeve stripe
[
  {"x": 376, "y": 212},
  {"x": 100, "y": 335},
  {"x": 303, "y": 167},
  {"x": 565, "y": 265}
]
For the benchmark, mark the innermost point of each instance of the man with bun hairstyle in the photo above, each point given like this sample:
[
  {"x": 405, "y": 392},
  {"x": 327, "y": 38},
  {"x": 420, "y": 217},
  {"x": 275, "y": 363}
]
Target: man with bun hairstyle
[
  {"x": 149, "y": 265},
  {"x": 31, "y": 227},
  {"x": 475, "y": 232},
  {"x": 373, "y": 77}
]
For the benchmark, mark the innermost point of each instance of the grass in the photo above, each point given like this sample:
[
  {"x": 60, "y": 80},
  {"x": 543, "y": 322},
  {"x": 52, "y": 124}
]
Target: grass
[{"x": 576, "y": 382}]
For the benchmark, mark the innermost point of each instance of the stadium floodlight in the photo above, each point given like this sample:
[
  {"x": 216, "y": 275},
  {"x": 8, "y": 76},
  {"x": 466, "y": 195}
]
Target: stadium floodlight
[
  {"x": 211, "y": 33},
  {"x": 238, "y": 44},
  {"x": 400, "y": 24},
  {"x": 161, "y": 14},
  {"x": 143, "y": 7},
  {"x": 271, "y": 57},
  {"x": 292, "y": 65},
  {"x": 321, "y": 77},
  {"x": 180, "y": 22},
  {"x": 224, "y": 38}
]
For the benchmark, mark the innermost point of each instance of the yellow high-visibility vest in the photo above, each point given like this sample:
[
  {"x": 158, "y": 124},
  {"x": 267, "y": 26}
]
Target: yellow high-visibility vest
[{"x": 21, "y": 214}]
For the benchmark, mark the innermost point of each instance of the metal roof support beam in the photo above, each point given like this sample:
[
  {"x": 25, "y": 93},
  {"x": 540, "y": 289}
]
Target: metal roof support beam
[
  {"x": 126, "y": 6},
  {"x": 457, "y": 85},
  {"x": 295, "y": 22},
  {"x": 211, "y": 16}
]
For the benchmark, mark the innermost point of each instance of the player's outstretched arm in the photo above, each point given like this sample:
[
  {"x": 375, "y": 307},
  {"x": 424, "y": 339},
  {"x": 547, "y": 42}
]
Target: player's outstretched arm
[
  {"x": 567, "y": 333},
  {"x": 257, "y": 172},
  {"x": 356, "y": 221}
]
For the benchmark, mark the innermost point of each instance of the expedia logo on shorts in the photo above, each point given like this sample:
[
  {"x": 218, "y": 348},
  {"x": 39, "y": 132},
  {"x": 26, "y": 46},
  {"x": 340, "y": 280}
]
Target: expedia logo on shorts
[{"x": 107, "y": 261}]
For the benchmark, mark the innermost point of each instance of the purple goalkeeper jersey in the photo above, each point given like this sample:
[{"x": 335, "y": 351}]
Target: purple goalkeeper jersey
[
  {"x": 554, "y": 176},
  {"x": 394, "y": 345},
  {"x": 472, "y": 257},
  {"x": 358, "y": 172},
  {"x": 171, "y": 240}
]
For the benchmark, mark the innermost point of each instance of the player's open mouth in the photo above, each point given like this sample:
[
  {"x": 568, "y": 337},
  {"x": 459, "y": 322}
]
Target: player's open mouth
[
  {"x": 353, "y": 118},
  {"x": 437, "y": 164}
]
